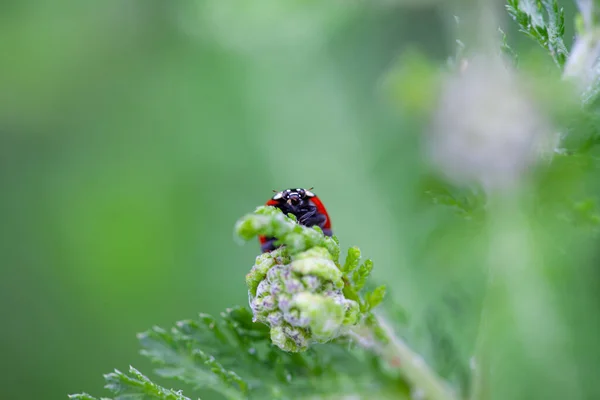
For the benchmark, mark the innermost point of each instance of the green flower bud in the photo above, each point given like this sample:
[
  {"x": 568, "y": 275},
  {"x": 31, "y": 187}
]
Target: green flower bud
[
  {"x": 301, "y": 301},
  {"x": 299, "y": 290},
  {"x": 262, "y": 265},
  {"x": 317, "y": 262}
]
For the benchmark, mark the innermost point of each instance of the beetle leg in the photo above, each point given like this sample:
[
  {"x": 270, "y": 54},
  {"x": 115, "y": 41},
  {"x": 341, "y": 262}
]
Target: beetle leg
[
  {"x": 312, "y": 218},
  {"x": 269, "y": 245}
]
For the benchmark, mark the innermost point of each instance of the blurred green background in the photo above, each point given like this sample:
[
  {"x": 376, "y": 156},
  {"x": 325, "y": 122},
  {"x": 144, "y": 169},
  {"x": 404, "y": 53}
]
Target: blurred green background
[{"x": 133, "y": 134}]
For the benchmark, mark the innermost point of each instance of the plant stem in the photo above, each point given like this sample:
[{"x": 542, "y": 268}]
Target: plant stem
[{"x": 418, "y": 374}]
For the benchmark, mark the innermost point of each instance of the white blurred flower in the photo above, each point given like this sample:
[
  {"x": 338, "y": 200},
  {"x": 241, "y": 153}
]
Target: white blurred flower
[
  {"x": 486, "y": 130},
  {"x": 583, "y": 65}
]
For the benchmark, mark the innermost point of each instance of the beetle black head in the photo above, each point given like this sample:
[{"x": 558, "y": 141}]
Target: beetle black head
[{"x": 291, "y": 200}]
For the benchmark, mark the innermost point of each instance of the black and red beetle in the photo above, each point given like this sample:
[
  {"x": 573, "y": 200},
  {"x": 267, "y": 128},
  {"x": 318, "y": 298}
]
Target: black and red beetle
[{"x": 307, "y": 208}]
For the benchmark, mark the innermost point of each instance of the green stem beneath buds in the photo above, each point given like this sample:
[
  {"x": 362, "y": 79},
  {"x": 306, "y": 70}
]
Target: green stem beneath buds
[{"x": 421, "y": 378}]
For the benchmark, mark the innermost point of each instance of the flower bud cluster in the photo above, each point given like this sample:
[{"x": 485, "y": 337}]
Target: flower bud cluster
[
  {"x": 301, "y": 298},
  {"x": 297, "y": 289}
]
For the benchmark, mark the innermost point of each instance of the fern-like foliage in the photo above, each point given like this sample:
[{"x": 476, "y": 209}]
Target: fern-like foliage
[
  {"x": 133, "y": 386},
  {"x": 548, "y": 30},
  {"x": 233, "y": 356},
  {"x": 506, "y": 49}
]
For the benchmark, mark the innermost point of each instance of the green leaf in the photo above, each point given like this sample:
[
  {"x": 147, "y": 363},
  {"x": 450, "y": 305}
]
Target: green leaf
[
  {"x": 81, "y": 396},
  {"x": 548, "y": 31},
  {"x": 361, "y": 274},
  {"x": 374, "y": 298},
  {"x": 352, "y": 260},
  {"x": 243, "y": 363},
  {"x": 506, "y": 49},
  {"x": 233, "y": 356},
  {"x": 134, "y": 386},
  {"x": 181, "y": 357},
  {"x": 270, "y": 221}
]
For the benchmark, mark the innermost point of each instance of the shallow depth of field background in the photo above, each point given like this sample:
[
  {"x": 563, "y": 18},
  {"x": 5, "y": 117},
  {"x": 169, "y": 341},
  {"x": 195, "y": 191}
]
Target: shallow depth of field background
[{"x": 133, "y": 134}]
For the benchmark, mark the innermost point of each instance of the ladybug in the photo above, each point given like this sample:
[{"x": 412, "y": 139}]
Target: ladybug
[{"x": 307, "y": 208}]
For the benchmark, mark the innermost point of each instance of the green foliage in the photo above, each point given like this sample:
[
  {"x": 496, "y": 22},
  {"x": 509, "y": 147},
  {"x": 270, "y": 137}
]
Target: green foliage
[
  {"x": 352, "y": 260},
  {"x": 133, "y": 386},
  {"x": 374, "y": 298},
  {"x": 507, "y": 49},
  {"x": 270, "y": 222},
  {"x": 467, "y": 202},
  {"x": 360, "y": 274},
  {"x": 548, "y": 31},
  {"x": 233, "y": 355}
]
